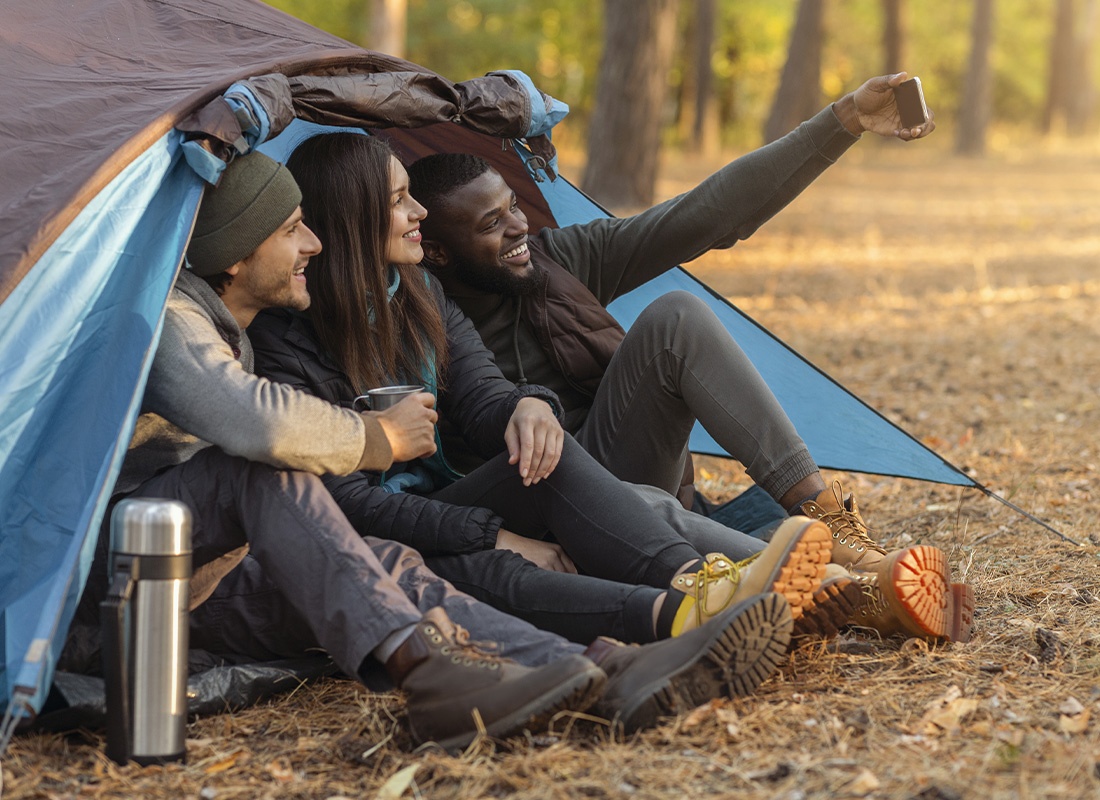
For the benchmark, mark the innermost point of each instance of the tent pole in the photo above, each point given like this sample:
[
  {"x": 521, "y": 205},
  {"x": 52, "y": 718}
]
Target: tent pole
[
  {"x": 1030, "y": 516},
  {"x": 11, "y": 720}
]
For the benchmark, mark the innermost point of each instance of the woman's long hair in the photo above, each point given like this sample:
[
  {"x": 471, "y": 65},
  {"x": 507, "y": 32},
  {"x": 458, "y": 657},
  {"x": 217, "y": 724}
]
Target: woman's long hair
[{"x": 346, "y": 196}]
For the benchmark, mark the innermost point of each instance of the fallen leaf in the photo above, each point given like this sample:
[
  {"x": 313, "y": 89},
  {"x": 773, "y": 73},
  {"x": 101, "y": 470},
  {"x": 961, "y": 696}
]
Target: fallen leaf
[
  {"x": 397, "y": 783},
  {"x": 1073, "y": 717},
  {"x": 863, "y": 783},
  {"x": 729, "y": 718},
  {"x": 1077, "y": 723},
  {"x": 222, "y": 764},
  {"x": 280, "y": 770},
  {"x": 947, "y": 713},
  {"x": 699, "y": 715}
]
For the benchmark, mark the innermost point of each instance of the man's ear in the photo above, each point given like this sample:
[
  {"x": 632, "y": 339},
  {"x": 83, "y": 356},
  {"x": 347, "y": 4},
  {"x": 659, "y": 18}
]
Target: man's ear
[
  {"x": 233, "y": 270},
  {"x": 435, "y": 254}
]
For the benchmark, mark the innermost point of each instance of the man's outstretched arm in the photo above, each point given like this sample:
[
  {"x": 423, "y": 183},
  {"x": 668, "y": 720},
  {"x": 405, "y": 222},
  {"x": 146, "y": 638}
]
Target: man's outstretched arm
[{"x": 613, "y": 256}]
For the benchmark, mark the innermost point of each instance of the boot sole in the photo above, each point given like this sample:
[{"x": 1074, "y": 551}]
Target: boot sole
[
  {"x": 798, "y": 573},
  {"x": 577, "y": 693},
  {"x": 835, "y": 603},
  {"x": 962, "y": 618},
  {"x": 733, "y": 660},
  {"x": 923, "y": 598}
]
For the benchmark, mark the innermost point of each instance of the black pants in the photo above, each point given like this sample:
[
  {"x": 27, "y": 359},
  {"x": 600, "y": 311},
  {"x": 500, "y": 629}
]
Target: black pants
[{"x": 627, "y": 553}]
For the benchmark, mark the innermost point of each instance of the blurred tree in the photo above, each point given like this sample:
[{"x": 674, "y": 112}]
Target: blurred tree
[
  {"x": 385, "y": 28},
  {"x": 624, "y": 137},
  {"x": 1059, "y": 77},
  {"x": 1082, "y": 99},
  {"x": 978, "y": 89},
  {"x": 894, "y": 36},
  {"x": 699, "y": 109},
  {"x": 799, "y": 93}
]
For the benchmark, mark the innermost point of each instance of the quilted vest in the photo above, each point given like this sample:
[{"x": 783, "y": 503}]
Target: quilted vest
[{"x": 578, "y": 333}]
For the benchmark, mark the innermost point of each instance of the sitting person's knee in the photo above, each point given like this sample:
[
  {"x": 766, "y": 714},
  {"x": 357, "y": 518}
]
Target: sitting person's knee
[{"x": 678, "y": 310}]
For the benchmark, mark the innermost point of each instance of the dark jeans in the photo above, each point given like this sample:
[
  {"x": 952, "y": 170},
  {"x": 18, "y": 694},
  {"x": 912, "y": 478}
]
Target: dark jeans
[
  {"x": 312, "y": 581},
  {"x": 678, "y": 364}
]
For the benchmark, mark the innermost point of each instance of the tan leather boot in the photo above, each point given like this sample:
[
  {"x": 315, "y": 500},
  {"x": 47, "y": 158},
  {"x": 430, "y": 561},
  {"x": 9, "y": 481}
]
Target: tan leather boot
[
  {"x": 907, "y": 591},
  {"x": 448, "y": 679},
  {"x": 792, "y": 565}
]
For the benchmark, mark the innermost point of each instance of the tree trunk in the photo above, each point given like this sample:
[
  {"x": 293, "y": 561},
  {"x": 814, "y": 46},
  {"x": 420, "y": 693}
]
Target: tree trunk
[
  {"x": 704, "y": 129},
  {"x": 1081, "y": 101},
  {"x": 978, "y": 90},
  {"x": 624, "y": 138},
  {"x": 894, "y": 35},
  {"x": 799, "y": 95},
  {"x": 386, "y": 26},
  {"x": 1061, "y": 66}
]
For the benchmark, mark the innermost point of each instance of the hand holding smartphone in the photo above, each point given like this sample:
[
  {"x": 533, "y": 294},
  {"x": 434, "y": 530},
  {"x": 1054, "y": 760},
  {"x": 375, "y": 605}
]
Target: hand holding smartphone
[{"x": 909, "y": 97}]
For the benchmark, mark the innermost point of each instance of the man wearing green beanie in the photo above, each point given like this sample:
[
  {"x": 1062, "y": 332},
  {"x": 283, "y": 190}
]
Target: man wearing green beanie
[{"x": 245, "y": 454}]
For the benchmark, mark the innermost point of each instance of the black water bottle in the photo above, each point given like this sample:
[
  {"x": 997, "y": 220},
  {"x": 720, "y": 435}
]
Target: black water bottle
[{"x": 145, "y": 631}]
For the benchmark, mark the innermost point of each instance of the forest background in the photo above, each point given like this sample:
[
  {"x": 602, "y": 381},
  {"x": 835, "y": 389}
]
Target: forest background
[{"x": 703, "y": 76}]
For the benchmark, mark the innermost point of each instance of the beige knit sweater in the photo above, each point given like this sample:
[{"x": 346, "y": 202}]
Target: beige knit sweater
[{"x": 202, "y": 392}]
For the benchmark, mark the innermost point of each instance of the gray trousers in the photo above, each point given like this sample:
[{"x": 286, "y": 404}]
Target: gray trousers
[
  {"x": 310, "y": 581},
  {"x": 678, "y": 364}
]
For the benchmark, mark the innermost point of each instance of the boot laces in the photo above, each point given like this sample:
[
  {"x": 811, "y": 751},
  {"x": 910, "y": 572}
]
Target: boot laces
[
  {"x": 464, "y": 651},
  {"x": 712, "y": 573},
  {"x": 847, "y": 526},
  {"x": 874, "y": 603}
]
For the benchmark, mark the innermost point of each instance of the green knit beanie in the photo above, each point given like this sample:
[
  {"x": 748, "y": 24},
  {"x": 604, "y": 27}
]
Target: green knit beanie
[{"x": 253, "y": 198}]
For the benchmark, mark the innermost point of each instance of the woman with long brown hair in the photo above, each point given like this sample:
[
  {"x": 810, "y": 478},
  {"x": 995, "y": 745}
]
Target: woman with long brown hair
[{"x": 377, "y": 319}]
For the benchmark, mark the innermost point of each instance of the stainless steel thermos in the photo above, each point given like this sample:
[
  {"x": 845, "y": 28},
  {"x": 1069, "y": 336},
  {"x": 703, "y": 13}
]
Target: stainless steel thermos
[{"x": 145, "y": 631}]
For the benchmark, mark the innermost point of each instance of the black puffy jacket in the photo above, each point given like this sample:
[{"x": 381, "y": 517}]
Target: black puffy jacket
[{"x": 477, "y": 401}]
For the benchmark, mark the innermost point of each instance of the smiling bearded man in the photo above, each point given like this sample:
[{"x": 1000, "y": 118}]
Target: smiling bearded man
[{"x": 632, "y": 398}]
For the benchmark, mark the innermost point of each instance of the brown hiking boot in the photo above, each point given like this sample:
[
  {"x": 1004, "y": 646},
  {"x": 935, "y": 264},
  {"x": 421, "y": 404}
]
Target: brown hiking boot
[
  {"x": 730, "y": 655},
  {"x": 792, "y": 565},
  {"x": 448, "y": 679},
  {"x": 911, "y": 592},
  {"x": 907, "y": 591},
  {"x": 835, "y": 603},
  {"x": 853, "y": 547}
]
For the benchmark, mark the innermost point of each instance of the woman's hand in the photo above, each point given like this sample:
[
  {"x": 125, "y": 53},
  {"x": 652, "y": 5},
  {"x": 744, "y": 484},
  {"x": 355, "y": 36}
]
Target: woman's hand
[
  {"x": 541, "y": 554},
  {"x": 534, "y": 438}
]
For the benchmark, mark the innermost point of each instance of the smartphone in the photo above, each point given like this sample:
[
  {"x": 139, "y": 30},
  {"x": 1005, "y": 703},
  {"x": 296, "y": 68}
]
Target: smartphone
[{"x": 909, "y": 97}]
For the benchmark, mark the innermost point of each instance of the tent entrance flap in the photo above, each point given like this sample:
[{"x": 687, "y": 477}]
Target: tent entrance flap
[{"x": 86, "y": 321}]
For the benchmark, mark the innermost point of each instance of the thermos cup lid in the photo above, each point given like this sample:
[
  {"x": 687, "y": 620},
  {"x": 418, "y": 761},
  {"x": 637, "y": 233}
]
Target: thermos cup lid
[{"x": 150, "y": 526}]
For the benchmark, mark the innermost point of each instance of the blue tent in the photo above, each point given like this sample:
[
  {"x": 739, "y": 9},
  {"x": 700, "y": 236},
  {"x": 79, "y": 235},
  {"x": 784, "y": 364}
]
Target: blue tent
[{"x": 97, "y": 205}]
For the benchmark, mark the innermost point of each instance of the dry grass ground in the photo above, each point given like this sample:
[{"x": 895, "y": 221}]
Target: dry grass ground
[{"x": 958, "y": 297}]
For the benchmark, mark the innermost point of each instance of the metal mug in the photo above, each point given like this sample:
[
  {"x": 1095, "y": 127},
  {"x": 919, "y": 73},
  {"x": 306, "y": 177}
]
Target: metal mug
[
  {"x": 145, "y": 639},
  {"x": 384, "y": 397}
]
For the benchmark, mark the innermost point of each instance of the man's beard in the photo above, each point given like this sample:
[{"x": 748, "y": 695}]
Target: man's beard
[{"x": 495, "y": 279}]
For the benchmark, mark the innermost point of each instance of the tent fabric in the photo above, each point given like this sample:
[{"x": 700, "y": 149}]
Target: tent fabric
[
  {"x": 95, "y": 311},
  {"x": 96, "y": 207}
]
